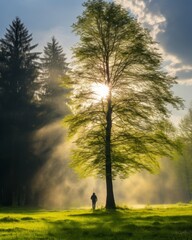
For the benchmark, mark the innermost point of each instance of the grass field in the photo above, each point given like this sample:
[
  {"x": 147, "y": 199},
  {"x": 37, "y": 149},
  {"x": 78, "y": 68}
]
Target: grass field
[{"x": 162, "y": 222}]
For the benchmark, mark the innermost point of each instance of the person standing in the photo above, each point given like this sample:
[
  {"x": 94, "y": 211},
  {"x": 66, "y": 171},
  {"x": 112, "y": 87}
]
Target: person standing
[{"x": 94, "y": 200}]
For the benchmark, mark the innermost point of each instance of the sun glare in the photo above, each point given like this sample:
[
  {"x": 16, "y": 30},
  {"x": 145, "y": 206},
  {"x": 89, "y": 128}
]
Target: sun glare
[{"x": 100, "y": 91}]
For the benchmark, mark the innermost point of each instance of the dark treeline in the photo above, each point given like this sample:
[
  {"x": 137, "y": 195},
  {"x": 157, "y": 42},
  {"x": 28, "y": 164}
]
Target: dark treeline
[{"x": 29, "y": 94}]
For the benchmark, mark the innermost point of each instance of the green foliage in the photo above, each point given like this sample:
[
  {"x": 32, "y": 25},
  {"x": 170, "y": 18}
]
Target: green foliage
[
  {"x": 132, "y": 120},
  {"x": 186, "y": 127},
  {"x": 184, "y": 163},
  {"x": 54, "y": 59},
  {"x": 166, "y": 222},
  {"x": 54, "y": 68}
]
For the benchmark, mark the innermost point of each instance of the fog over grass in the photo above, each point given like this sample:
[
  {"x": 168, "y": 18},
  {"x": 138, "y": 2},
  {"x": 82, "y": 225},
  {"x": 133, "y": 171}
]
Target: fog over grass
[{"x": 60, "y": 187}]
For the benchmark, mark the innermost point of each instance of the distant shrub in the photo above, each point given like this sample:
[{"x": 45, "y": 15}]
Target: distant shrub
[
  {"x": 27, "y": 219},
  {"x": 9, "y": 219}
]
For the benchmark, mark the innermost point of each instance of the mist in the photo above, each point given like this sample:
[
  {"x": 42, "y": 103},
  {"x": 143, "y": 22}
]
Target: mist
[{"x": 58, "y": 186}]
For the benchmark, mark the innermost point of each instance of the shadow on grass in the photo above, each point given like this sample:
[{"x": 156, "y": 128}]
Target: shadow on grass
[
  {"x": 121, "y": 225},
  {"x": 21, "y": 210}
]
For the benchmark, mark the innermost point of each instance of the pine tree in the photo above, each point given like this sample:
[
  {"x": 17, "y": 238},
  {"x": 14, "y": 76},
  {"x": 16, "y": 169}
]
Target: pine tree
[
  {"x": 18, "y": 73},
  {"x": 54, "y": 68},
  {"x": 53, "y": 108}
]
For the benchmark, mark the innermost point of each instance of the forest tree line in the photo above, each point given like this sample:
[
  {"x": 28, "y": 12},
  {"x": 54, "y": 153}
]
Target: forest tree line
[{"x": 30, "y": 92}]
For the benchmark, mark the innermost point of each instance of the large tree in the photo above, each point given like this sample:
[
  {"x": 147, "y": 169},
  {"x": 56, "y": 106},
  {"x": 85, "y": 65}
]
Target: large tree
[
  {"x": 18, "y": 73},
  {"x": 120, "y": 96}
]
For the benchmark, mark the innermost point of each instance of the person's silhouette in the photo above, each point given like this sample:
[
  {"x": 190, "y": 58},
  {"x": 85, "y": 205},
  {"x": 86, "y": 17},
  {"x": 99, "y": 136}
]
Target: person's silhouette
[{"x": 94, "y": 200}]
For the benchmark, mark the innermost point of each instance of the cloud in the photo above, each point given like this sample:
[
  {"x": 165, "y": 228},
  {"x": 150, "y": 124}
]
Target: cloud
[
  {"x": 169, "y": 23},
  {"x": 156, "y": 22}
]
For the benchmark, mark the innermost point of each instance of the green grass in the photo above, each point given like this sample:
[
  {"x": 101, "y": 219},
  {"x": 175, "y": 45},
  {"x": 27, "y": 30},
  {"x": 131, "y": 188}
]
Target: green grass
[{"x": 170, "y": 222}]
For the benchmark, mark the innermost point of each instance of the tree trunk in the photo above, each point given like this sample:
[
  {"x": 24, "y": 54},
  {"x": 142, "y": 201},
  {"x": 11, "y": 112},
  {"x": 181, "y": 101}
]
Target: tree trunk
[{"x": 110, "y": 201}]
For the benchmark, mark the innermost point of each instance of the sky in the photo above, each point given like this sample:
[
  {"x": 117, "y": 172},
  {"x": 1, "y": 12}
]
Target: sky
[{"x": 170, "y": 23}]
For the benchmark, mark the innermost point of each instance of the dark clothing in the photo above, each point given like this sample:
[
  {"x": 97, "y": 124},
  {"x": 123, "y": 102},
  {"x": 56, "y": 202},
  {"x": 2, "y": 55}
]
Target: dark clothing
[{"x": 94, "y": 200}]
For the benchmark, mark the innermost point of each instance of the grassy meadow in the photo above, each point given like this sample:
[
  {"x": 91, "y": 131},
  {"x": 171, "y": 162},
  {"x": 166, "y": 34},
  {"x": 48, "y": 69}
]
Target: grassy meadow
[{"x": 166, "y": 222}]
